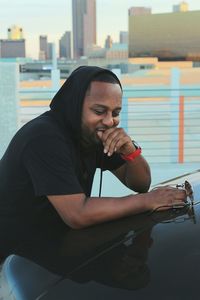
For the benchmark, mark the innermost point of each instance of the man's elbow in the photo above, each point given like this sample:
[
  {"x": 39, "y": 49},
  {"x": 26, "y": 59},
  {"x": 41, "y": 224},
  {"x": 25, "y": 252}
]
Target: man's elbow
[
  {"x": 77, "y": 220},
  {"x": 144, "y": 189},
  {"x": 141, "y": 187}
]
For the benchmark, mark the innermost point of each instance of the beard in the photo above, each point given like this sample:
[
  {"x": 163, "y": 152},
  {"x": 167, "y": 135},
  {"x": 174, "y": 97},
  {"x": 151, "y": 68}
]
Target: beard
[{"x": 89, "y": 138}]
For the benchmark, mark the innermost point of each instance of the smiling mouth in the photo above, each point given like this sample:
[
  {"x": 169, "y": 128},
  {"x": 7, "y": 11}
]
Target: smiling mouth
[{"x": 101, "y": 129}]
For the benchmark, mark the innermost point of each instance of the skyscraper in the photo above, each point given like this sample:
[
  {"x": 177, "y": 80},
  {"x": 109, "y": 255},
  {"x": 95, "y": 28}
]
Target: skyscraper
[
  {"x": 84, "y": 26},
  {"x": 168, "y": 36},
  {"x": 49, "y": 50},
  {"x": 123, "y": 37},
  {"x": 65, "y": 45},
  {"x": 43, "y": 47},
  {"x": 108, "y": 42},
  {"x": 14, "y": 45}
]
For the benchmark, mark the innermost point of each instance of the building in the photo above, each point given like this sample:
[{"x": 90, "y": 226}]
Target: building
[
  {"x": 15, "y": 33},
  {"x": 168, "y": 36},
  {"x": 108, "y": 42},
  {"x": 182, "y": 7},
  {"x": 117, "y": 51},
  {"x": 49, "y": 50},
  {"x": 43, "y": 46},
  {"x": 45, "y": 52},
  {"x": 12, "y": 48},
  {"x": 139, "y": 10},
  {"x": 65, "y": 46},
  {"x": 84, "y": 26},
  {"x": 9, "y": 103},
  {"x": 14, "y": 45},
  {"x": 123, "y": 37}
]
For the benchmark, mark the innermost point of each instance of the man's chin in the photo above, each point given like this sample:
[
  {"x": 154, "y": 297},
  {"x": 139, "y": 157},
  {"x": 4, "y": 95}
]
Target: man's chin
[
  {"x": 95, "y": 140},
  {"x": 92, "y": 141}
]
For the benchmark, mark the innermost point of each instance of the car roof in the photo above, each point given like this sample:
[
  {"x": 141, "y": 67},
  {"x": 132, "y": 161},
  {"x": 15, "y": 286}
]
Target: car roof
[{"x": 152, "y": 255}]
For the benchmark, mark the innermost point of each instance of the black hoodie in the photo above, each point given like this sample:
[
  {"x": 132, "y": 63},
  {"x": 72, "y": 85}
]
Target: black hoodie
[
  {"x": 66, "y": 108},
  {"x": 45, "y": 158},
  {"x": 67, "y": 103}
]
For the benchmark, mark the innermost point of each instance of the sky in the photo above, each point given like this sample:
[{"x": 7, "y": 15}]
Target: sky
[{"x": 53, "y": 18}]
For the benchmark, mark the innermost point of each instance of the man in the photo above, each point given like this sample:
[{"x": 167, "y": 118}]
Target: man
[{"x": 46, "y": 174}]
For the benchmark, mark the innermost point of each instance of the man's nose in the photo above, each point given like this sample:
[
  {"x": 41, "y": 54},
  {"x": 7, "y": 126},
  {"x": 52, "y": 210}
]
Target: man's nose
[{"x": 108, "y": 120}]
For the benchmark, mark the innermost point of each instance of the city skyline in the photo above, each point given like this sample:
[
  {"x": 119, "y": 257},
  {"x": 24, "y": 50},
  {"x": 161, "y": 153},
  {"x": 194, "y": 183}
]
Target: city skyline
[{"x": 53, "y": 19}]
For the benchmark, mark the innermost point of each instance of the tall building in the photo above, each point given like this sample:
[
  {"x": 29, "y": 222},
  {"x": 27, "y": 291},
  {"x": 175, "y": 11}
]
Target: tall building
[
  {"x": 43, "y": 45},
  {"x": 12, "y": 48},
  {"x": 182, "y": 7},
  {"x": 49, "y": 50},
  {"x": 168, "y": 36},
  {"x": 65, "y": 45},
  {"x": 15, "y": 33},
  {"x": 14, "y": 45},
  {"x": 108, "y": 42},
  {"x": 123, "y": 37},
  {"x": 84, "y": 26}
]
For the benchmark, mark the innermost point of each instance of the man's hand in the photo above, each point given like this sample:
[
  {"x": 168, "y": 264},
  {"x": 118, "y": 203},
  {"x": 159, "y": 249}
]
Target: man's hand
[
  {"x": 79, "y": 211},
  {"x": 165, "y": 197},
  {"x": 135, "y": 174},
  {"x": 116, "y": 140}
]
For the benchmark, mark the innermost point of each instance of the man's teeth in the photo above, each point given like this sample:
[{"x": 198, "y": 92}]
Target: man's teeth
[{"x": 102, "y": 130}]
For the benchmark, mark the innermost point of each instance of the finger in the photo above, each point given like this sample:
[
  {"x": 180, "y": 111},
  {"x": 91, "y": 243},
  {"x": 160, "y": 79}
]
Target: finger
[
  {"x": 110, "y": 143},
  {"x": 178, "y": 204},
  {"x": 119, "y": 140},
  {"x": 107, "y": 132},
  {"x": 181, "y": 195},
  {"x": 110, "y": 138}
]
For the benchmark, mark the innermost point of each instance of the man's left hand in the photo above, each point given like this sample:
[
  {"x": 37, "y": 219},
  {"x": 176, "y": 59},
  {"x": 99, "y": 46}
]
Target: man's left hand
[{"x": 116, "y": 140}]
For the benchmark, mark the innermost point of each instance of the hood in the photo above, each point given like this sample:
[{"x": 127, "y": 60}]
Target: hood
[{"x": 66, "y": 105}]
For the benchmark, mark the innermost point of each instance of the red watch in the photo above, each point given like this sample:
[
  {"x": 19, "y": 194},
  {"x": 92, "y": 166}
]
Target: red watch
[{"x": 134, "y": 154}]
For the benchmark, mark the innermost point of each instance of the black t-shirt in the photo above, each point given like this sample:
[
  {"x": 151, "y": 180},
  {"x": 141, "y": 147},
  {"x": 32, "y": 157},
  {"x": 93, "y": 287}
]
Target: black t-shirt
[{"x": 43, "y": 160}]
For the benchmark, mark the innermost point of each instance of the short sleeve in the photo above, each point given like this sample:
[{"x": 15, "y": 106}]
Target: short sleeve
[{"x": 48, "y": 161}]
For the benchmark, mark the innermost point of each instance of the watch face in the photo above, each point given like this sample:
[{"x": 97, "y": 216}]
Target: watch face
[{"x": 136, "y": 144}]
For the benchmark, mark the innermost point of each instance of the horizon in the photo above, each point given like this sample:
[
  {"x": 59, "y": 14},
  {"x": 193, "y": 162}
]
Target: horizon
[{"x": 36, "y": 18}]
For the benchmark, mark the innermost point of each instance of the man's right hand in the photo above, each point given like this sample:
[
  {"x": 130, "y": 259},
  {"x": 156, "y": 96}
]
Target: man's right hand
[{"x": 165, "y": 197}]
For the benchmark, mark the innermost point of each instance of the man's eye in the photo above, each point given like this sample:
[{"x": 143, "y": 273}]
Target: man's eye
[
  {"x": 116, "y": 114},
  {"x": 99, "y": 112}
]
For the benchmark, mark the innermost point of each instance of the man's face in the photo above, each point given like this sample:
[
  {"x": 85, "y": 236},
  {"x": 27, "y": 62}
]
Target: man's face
[{"x": 101, "y": 108}]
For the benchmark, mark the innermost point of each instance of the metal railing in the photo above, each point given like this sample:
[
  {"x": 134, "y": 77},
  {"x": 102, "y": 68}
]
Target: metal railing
[{"x": 165, "y": 121}]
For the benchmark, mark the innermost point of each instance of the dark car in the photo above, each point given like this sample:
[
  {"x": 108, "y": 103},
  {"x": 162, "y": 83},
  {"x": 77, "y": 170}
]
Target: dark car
[{"x": 155, "y": 255}]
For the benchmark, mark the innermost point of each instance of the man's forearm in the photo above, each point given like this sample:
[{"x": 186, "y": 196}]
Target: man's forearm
[
  {"x": 97, "y": 210},
  {"x": 79, "y": 211},
  {"x": 138, "y": 175}
]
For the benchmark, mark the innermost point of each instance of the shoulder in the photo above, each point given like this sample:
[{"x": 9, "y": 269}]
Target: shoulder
[
  {"x": 40, "y": 129},
  {"x": 40, "y": 126},
  {"x": 41, "y": 135}
]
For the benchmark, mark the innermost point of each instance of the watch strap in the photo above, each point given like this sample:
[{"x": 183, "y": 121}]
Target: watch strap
[{"x": 134, "y": 154}]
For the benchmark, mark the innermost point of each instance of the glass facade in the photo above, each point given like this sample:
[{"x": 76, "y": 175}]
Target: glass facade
[{"x": 168, "y": 36}]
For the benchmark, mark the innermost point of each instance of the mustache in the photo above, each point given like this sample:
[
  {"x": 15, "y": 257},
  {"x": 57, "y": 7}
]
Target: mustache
[{"x": 104, "y": 128}]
